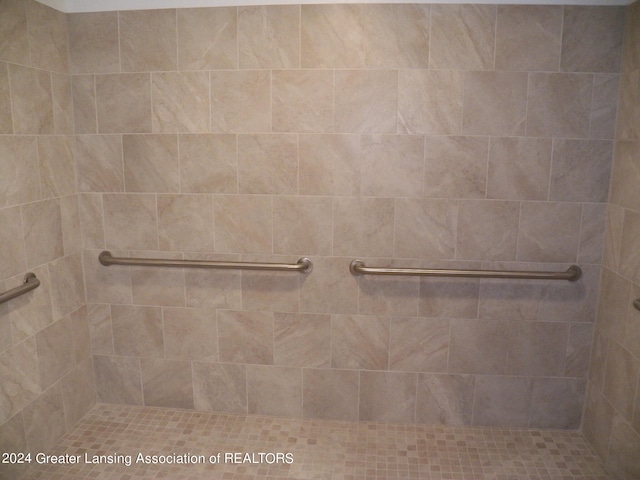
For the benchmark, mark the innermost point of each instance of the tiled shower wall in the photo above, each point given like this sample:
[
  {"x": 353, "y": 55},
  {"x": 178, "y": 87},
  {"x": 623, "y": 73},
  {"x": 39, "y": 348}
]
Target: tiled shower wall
[
  {"x": 46, "y": 372},
  {"x": 406, "y": 135},
  {"x": 612, "y": 413}
]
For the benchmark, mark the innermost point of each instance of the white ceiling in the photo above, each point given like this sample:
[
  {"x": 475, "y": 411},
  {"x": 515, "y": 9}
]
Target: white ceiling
[{"x": 75, "y": 6}]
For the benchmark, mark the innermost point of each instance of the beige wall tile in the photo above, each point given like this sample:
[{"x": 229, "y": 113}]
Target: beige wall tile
[
  {"x": 418, "y": 344},
  {"x": 478, "y": 347},
  {"x": 302, "y": 225},
  {"x": 19, "y": 163},
  {"x": 501, "y": 400},
  {"x": 270, "y": 291},
  {"x": 158, "y": 286},
  {"x": 274, "y": 390},
  {"x": 123, "y": 103},
  {"x": 130, "y": 221},
  {"x": 620, "y": 379},
  {"x": 62, "y": 97},
  {"x": 79, "y": 392},
  {"x": 359, "y": 341},
  {"x": 91, "y": 220},
  {"x": 180, "y": 102},
  {"x": 190, "y": 334},
  {"x": 94, "y": 42},
  {"x": 302, "y": 340},
  {"x": 332, "y": 36},
  {"x": 388, "y": 295},
  {"x": 19, "y": 367},
  {"x": 13, "y": 258},
  {"x": 105, "y": 284},
  {"x": 67, "y": 285},
  {"x": 445, "y": 399},
  {"x": 99, "y": 163},
  {"x": 14, "y": 46},
  {"x": 166, "y": 383},
  {"x": 28, "y": 314},
  {"x": 213, "y": 289},
  {"x": 137, "y": 331},
  {"x": 100, "y": 329},
  {"x": 219, "y": 387},
  {"x": 44, "y": 419},
  {"x": 57, "y": 166},
  {"x": 624, "y": 442},
  {"x": 269, "y": 36},
  {"x": 245, "y": 337},
  {"x": 42, "y": 232},
  {"x": 557, "y": 401},
  {"x": 625, "y": 175},
  {"x": 6, "y": 119},
  {"x": 328, "y": 289},
  {"x": 118, "y": 379},
  {"x": 151, "y": 163},
  {"x": 629, "y": 113},
  {"x": 55, "y": 352},
  {"x": 363, "y": 226},
  {"x": 579, "y": 350},
  {"x": 330, "y": 394},
  {"x": 207, "y": 38},
  {"x": 85, "y": 110},
  {"x": 606, "y": 88},
  {"x": 31, "y": 100},
  {"x": 387, "y": 397},
  {"x": 537, "y": 349},
  {"x": 243, "y": 224},
  {"x": 48, "y": 37},
  {"x": 450, "y": 298},
  {"x": 148, "y": 40},
  {"x": 208, "y": 163},
  {"x": 185, "y": 222},
  {"x": 268, "y": 164}
]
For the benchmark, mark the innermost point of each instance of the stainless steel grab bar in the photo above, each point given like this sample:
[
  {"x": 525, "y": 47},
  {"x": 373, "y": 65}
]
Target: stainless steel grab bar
[
  {"x": 303, "y": 265},
  {"x": 572, "y": 274},
  {"x": 31, "y": 282}
]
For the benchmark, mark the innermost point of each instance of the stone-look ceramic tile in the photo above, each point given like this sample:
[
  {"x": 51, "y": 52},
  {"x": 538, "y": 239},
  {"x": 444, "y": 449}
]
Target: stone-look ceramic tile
[
  {"x": 274, "y": 390},
  {"x": 105, "y": 284},
  {"x": 592, "y": 233},
  {"x": 613, "y": 237},
  {"x": 44, "y": 421},
  {"x": 219, "y": 387},
  {"x": 99, "y": 162},
  {"x": 557, "y": 403},
  {"x": 137, "y": 331},
  {"x": 62, "y": 97},
  {"x": 55, "y": 352},
  {"x": 628, "y": 110},
  {"x": 549, "y": 232},
  {"x": 329, "y": 165},
  {"x": 270, "y": 291},
  {"x": 455, "y": 166},
  {"x": 100, "y": 331},
  {"x": 81, "y": 335},
  {"x": 269, "y": 36},
  {"x": 360, "y": 342},
  {"x": 180, "y": 102},
  {"x": 118, "y": 379},
  {"x": 14, "y": 46},
  {"x": 430, "y": 101},
  {"x": 85, "y": 109},
  {"x": 302, "y": 100},
  {"x": 43, "y": 240},
  {"x": 626, "y": 175},
  {"x": 123, "y": 103},
  {"x": 67, "y": 286},
  {"x": 48, "y": 37},
  {"x": 592, "y": 39},
  {"x": 31, "y": 100},
  {"x": 462, "y": 37},
  {"x": 379, "y": 295},
  {"x": 502, "y": 300},
  {"x": 425, "y": 228},
  {"x": 243, "y": 224},
  {"x": 79, "y": 392},
  {"x": 581, "y": 170},
  {"x": 91, "y": 220},
  {"x": 536, "y": 349},
  {"x": 445, "y": 399},
  {"x": 615, "y": 292},
  {"x": 396, "y": 36},
  {"x": 366, "y": 101},
  {"x": 185, "y": 222},
  {"x": 130, "y": 221},
  {"x": 208, "y": 163},
  {"x": 20, "y": 181},
  {"x": 166, "y": 383},
  {"x": 268, "y": 164},
  {"x": 330, "y": 394},
  {"x": 12, "y": 439},
  {"x": 245, "y": 337},
  {"x": 578, "y": 350},
  {"x": 387, "y": 397},
  {"x": 519, "y": 168},
  {"x": 419, "y": 344},
  {"x": 487, "y": 230},
  {"x": 57, "y": 166},
  {"x": 632, "y": 332},
  {"x": 494, "y": 103},
  {"x": 302, "y": 340},
  {"x": 93, "y": 42},
  {"x": 302, "y": 225},
  {"x": 623, "y": 445},
  {"x": 604, "y": 105},
  {"x": 21, "y": 377},
  {"x": 528, "y": 37},
  {"x": 501, "y": 401},
  {"x": 332, "y": 36},
  {"x": 148, "y": 40},
  {"x": 151, "y": 163},
  {"x": 190, "y": 334},
  {"x": 392, "y": 166},
  {"x": 158, "y": 286},
  {"x": 207, "y": 38},
  {"x": 620, "y": 379},
  {"x": 6, "y": 119},
  {"x": 28, "y": 314},
  {"x": 241, "y": 101},
  {"x": 449, "y": 297},
  {"x": 213, "y": 289},
  {"x": 478, "y": 347},
  {"x": 631, "y": 52},
  {"x": 559, "y": 105},
  {"x": 597, "y": 421},
  {"x": 12, "y": 255},
  {"x": 363, "y": 227},
  {"x": 328, "y": 289}
]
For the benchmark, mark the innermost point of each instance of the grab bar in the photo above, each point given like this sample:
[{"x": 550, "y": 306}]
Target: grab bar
[
  {"x": 303, "y": 265},
  {"x": 572, "y": 274},
  {"x": 31, "y": 282}
]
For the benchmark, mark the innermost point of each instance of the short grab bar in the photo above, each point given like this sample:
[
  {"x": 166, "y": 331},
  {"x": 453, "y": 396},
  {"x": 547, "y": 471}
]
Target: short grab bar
[
  {"x": 303, "y": 265},
  {"x": 572, "y": 274},
  {"x": 31, "y": 282}
]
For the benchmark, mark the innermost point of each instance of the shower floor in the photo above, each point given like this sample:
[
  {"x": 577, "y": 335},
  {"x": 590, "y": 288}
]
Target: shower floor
[{"x": 261, "y": 447}]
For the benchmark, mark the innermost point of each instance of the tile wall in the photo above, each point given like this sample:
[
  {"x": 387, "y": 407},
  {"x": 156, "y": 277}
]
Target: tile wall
[
  {"x": 612, "y": 413},
  {"x": 406, "y": 135},
  {"x": 46, "y": 372}
]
